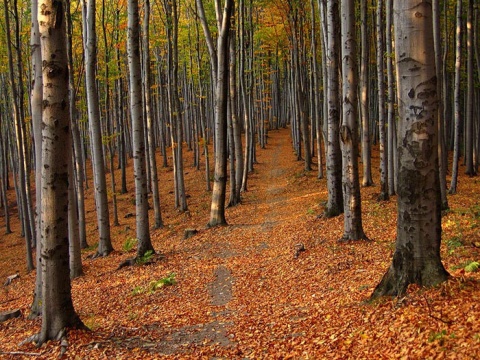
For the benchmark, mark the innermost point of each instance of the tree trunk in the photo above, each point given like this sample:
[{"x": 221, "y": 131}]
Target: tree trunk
[
  {"x": 391, "y": 123},
  {"x": 36, "y": 106},
  {"x": 334, "y": 156},
  {"x": 469, "y": 126},
  {"x": 217, "y": 208},
  {"x": 353, "y": 228},
  {"x": 417, "y": 254},
  {"x": 19, "y": 142},
  {"x": 101, "y": 200},
  {"x": 384, "y": 194},
  {"x": 442, "y": 151},
  {"x": 58, "y": 312},
  {"x": 138, "y": 140},
  {"x": 364, "y": 93},
  {"x": 457, "y": 100},
  {"x": 149, "y": 117}
]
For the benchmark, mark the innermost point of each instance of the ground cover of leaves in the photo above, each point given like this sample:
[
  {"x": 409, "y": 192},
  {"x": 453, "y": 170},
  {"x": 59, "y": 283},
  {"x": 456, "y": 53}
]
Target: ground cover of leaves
[{"x": 245, "y": 291}]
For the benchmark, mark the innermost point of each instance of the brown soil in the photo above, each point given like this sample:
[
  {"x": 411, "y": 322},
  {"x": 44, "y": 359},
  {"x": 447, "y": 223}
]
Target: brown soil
[{"x": 241, "y": 291}]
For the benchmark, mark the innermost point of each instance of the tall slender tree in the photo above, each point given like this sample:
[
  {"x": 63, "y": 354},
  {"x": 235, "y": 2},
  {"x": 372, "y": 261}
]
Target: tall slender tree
[
  {"x": 334, "y": 156},
  {"x": 364, "y": 93},
  {"x": 101, "y": 200},
  {"x": 353, "y": 227},
  {"x": 219, "y": 60},
  {"x": 152, "y": 161},
  {"x": 138, "y": 141},
  {"x": 384, "y": 194},
  {"x": 469, "y": 123},
  {"x": 457, "y": 98},
  {"x": 442, "y": 149}
]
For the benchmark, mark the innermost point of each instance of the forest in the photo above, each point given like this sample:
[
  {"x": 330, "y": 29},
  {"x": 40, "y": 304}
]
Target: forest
[{"x": 239, "y": 179}]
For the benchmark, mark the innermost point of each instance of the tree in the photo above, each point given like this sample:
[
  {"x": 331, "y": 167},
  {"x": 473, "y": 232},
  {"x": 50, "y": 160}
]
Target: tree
[
  {"x": 364, "y": 91},
  {"x": 417, "y": 253},
  {"x": 101, "y": 200},
  {"x": 353, "y": 228},
  {"x": 138, "y": 142},
  {"x": 58, "y": 312},
  {"x": 384, "y": 195},
  {"x": 18, "y": 118},
  {"x": 469, "y": 133},
  {"x": 36, "y": 98},
  {"x": 457, "y": 99},
  {"x": 152, "y": 161},
  {"x": 220, "y": 67},
  {"x": 334, "y": 156},
  {"x": 439, "y": 64}
]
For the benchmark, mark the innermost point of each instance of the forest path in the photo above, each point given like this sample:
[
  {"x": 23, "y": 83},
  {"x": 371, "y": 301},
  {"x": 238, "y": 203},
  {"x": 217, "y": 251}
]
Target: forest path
[{"x": 265, "y": 204}]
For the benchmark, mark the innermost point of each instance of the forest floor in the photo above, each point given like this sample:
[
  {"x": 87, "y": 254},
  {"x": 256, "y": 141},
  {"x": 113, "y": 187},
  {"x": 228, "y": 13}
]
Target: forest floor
[{"x": 244, "y": 291}]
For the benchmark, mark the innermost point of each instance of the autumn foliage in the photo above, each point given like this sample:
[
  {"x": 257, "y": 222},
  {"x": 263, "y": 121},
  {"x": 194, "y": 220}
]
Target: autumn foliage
[{"x": 246, "y": 291}]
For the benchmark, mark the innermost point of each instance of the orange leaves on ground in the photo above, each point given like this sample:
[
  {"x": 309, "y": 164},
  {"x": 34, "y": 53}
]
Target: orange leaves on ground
[{"x": 240, "y": 292}]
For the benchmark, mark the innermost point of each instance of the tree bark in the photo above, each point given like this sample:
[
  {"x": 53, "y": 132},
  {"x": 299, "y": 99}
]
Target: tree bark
[
  {"x": 334, "y": 156},
  {"x": 217, "y": 208},
  {"x": 442, "y": 150},
  {"x": 353, "y": 228},
  {"x": 457, "y": 100},
  {"x": 469, "y": 126},
  {"x": 58, "y": 312},
  {"x": 384, "y": 194},
  {"x": 138, "y": 140},
  {"x": 101, "y": 200},
  {"x": 149, "y": 118},
  {"x": 417, "y": 253},
  {"x": 364, "y": 93}
]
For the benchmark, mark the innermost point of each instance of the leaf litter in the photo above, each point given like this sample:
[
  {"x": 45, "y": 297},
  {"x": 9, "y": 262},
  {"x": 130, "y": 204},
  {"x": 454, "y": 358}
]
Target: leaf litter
[{"x": 244, "y": 291}]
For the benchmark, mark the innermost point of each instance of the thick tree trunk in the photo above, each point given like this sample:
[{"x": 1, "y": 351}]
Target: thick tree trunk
[
  {"x": 417, "y": 254},
  {"x": 58, "y": 312},
  {"x": 36, "y": 106}
]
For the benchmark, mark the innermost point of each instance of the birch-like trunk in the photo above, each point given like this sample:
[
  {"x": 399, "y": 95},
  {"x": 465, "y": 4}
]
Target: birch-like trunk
[
  {"x": 36, "y": 106},
  {"x": 442, "y": 150},
  {"x": 58, "y": 312},
  {"x": 353, "y": 228},
  {"x": 100, "y": 183},
  {"x": 391, "y": 123},
  {"x": 457, "y": 99},
  {"x": 384, "y": 194},
  {"x": 334, "y": 155},
  {"x": 364, "y": 93},
  {"x": 417, "y": 252},
  {"x": 152, "y": 161},
  {"x": 138, "y": 139},
  {"x": 469, "y": 125},
  {"x": 217, "y": 208}
]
